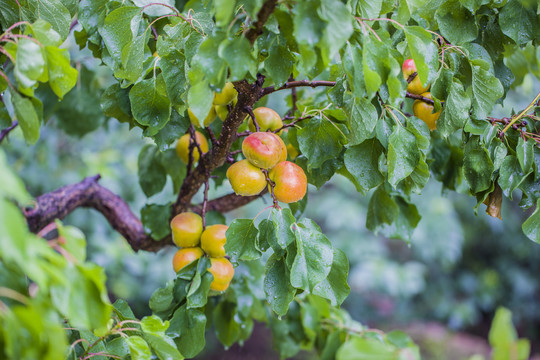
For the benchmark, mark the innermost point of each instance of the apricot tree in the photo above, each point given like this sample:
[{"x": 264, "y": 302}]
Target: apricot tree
[{"x": 175, "y": 64}]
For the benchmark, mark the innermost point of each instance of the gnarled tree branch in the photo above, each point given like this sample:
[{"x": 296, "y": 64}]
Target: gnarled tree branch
[{"x": 90, "y": 194}]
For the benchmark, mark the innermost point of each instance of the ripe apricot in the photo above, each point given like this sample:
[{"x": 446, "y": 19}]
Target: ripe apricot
[
  {"x": 186, "y": 256},
  {"x": 415, "y": 86},
  {"x": 245, "y": 178},
  {"x": 424, "y": 112},
  {"x": 290, "y": 182},
  {"x": 262, "y": 149},
  {"x": 223, "y": 272},
  {"x": 213, "y": 240},
  {"x": 186, "y": 229},
  {"x": 182, "y": 147},
  {"x": 267, "y": 119}
]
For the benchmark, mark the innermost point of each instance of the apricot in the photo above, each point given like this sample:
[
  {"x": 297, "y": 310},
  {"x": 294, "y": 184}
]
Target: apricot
[
  {"x": 245, "y": 178},
  {"x": 262, "y": 149},
  {"x": 223, "y": 272},
  {"x": 267, "y": 119},
  {"x": 207, "y": 120},
  {"x": 213, "y": 240},
  {"x": 415, "y": 86},
  {"x": 290, "y": 182},
  {"x": 424, "y": 112},
  {"x": 226, "y": 96},
  {"x": 186, "y": 256},
  {"x": 182, "y": 147},
  {"x": 186, "y": 229}
]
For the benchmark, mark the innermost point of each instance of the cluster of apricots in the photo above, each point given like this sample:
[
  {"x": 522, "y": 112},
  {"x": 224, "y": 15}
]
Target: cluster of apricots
[
  {"x": 421, "y": 109},
  {"x": 220, "y": 108},
  {"x": 187, "y": 233},
  {"x": 265, "y": 150}
]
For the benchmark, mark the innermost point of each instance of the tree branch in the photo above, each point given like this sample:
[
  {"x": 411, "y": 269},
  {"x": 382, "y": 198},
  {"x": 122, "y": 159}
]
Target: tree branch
[
  {"x": 262, "y": 16},
  {"x": 420, "y": 97},
  {"x": 90, "y": 194},
  {"x": 7, "y": 130},
  {"x": 299, "y": 83}
]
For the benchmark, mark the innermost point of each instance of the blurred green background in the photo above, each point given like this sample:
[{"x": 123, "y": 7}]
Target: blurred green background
[{"x": 456, "y": 270}]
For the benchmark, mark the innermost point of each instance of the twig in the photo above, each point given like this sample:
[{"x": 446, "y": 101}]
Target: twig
[
  {"x": 243, "y": 133},
  {"x": 420, "y": 97},
  {"x": 293, "y": 123},
  {"x": 521, "y": 114},
  {"x": 249, "y": 110},
  {"x": 299, "y": 83},
  {"x": 212, "y": 136},
  {"x": 411, "y": 77},
  {"x": 6, "y": 131}
]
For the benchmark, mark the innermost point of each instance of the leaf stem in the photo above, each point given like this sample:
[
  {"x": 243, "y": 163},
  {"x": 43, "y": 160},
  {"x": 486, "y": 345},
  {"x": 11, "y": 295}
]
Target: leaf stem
[{"x": 529, "y": 107}]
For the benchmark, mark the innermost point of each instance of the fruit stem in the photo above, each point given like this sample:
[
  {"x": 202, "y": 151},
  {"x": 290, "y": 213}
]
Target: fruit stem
[
  {"x": 272, "y": 185},
  {"x": 529, "y": 107}
]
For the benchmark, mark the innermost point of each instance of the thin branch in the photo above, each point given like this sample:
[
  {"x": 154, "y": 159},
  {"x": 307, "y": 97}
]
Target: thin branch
[
  {"x": 293, "y": 123},
  {"x": 272, "y": 186},
  {"x": 249, "y": 110},
  {"x": 420, "y": 97},
  {"x": 266, "y": 10},
  {"x": 299, "y": 83},
  {"x": 204, "y": 204},
  {"x": 6, "y": 131}
]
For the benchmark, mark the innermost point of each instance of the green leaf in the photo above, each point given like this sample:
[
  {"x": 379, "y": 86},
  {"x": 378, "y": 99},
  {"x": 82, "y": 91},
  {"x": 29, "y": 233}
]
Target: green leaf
[
  {"x": 362, "y": 118},
  {"x": 155, "y": 10},
  {"x": 338, "y": 29},
  {"x": 486, "y": 90},
  {"x": 403, "y": 155},
  {"x": 335, "y": 287},
  {"x": 119, "y": 28},
  {"x": 150, "y": 105},
  {"x": 138, "y": 348},
  {"x": 280, "y": 61},
  {"x": 209, "y": 66},
  {"x": 456, "y": 110},
  {"x": 227, "y": 327},
  {"x": 368, "y": 8},
  {"x": 173, "y": 69},
  {"x": 152, "y": 175},
  {"x": 187, "y": 328},
  {"x": 424, "y": 52},
  {"x": 172, "y": 131},
  {"x": 531, "y": 226},
  {"x": 27, "y": 117},
  {"x": 456, "y": 23},
  {"x": 277, "y": 286},
  {"x": 502, "y": 332},
  {"x": 154, "y": 334},
  {"x": 519, "y": 22},
  {"x": 198, "y": 291},
  {"x": 62, "y": 77},
  {"x": 320, "y": 140},
  {"x": 91, "y": 16},
  {"x": 224, "y": 10},
  {"x": 12, "y": 186},
  {"x": 75, "y": 242},
  {"x": 242, "y": 240},
  {"x": 200, "y": 98},
  {"x": 477, "y": 166},
  {"x": 511, "y": 175},
  {"x": 29, "y": 63},
  {"x": 525, "y": 154},
  {"x": 237, "y": 54},
  {"x": 283, "y": 221},
  {"x": 155, "y": 219},
  {"x": 115, "y": 103},
  {"x": 314, "y": 255},
  {"x": 308, "y": 27},
  {"x": 362, "y": 161},
  {"x": 54, "y": 12},
  {"x": 358, "y": 348}
]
